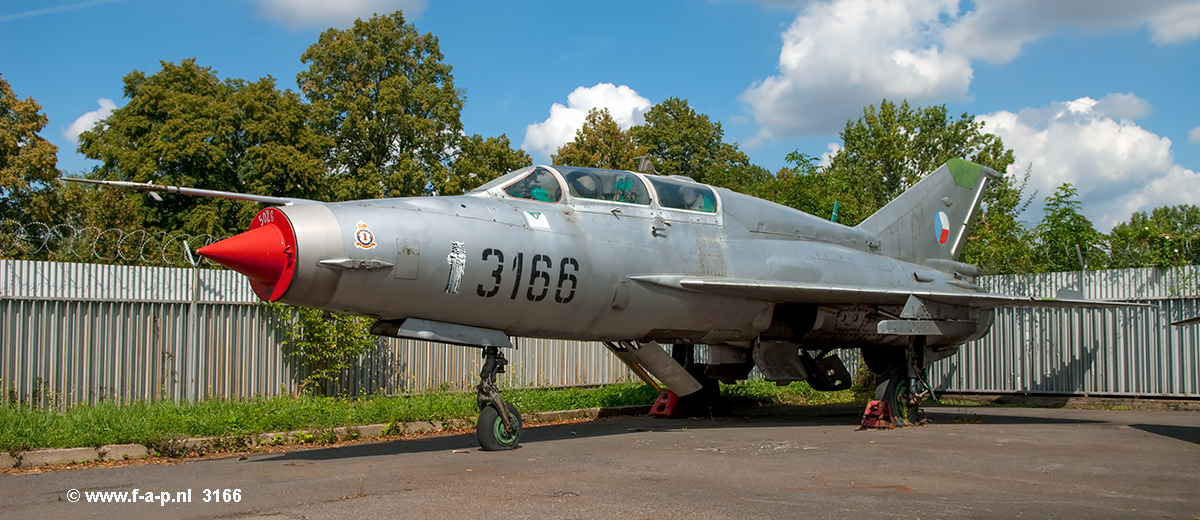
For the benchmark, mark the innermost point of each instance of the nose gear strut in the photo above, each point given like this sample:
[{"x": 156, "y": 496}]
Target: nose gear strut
[{"x": 499, "y": 425}]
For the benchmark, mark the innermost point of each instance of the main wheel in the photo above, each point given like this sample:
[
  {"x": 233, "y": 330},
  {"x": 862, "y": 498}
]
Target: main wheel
[
  {"x": 897, "y": 391},
  {"x": 490, "y": 428}
]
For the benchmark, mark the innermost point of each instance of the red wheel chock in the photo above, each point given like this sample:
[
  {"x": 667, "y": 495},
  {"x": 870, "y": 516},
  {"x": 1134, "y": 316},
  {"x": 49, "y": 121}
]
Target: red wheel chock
[
  {"x": 665, "y": 405},
  {"x": 877, "y": 416}
]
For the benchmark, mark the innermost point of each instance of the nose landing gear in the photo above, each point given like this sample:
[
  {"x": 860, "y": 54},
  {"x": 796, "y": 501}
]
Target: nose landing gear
[{"x": 499, "y": 425}]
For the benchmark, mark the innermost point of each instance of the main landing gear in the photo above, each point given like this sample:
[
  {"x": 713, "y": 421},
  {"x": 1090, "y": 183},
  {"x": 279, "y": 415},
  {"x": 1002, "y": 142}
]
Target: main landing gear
[
  {"x": 901, "y": 387},
  {"x": 499, "y": 426}
]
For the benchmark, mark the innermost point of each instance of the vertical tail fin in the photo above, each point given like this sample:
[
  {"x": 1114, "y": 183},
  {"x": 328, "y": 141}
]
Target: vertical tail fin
[{"x": 930, "y": 220}]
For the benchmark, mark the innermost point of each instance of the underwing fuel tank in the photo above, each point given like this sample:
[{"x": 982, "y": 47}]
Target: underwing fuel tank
[{"x": 268, "y": 254}]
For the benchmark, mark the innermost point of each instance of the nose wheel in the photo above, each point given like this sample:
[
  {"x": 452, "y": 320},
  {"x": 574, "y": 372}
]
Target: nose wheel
[{"x": 499, "y": 425}]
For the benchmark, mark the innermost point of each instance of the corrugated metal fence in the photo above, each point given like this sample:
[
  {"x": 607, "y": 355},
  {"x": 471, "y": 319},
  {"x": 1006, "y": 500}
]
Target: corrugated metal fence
[
  {"x": 83, "y": 332},
  {"x": 1116, "y": 352},
  {"x": 77, "y": 333}
]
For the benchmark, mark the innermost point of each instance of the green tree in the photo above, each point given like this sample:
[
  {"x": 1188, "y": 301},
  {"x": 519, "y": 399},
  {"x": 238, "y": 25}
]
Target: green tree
[
  {"x": 999, "y": 242},
  {"x": 382, "y": 93},
  {"x": 684, "y": 142},
  {"x": 184, "y": 126},
  {"x": 480, "y": 160},
  {"x": 600, "y": 143},
  {"x": 805, "y": 186},
  {"x": 28, "y": 162},
  {"x": 326, "y": 345},
  {"x": 1169, "y": 236},
  {"x": 1064, "y": 234},
  {"x": 888, "y": 150}
]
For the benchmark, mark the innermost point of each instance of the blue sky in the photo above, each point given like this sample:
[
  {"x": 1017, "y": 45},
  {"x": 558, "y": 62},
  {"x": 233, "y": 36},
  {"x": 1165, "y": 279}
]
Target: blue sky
[{"x": 1100, "y": 93}]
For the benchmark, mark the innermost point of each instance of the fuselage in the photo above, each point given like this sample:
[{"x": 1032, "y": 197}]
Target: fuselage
[{"x": 560, "y": 252}]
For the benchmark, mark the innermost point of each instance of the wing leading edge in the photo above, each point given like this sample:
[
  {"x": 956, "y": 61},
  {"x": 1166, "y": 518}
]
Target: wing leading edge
[{"x": 779, "y": 292}]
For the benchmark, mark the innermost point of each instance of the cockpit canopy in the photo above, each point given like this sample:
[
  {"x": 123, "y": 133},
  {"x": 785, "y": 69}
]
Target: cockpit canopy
[{"x": 545, "y": 184}]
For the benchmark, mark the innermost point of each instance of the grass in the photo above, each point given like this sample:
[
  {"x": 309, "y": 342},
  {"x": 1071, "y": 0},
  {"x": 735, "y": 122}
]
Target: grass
[{"x": 152, "y": 423}]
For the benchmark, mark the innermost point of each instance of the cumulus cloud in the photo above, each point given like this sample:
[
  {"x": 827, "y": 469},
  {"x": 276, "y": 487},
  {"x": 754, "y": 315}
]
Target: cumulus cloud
[
  {"x": 1117, "y": 166},
  {"x": 841, "y": 55},
  {"x": 996, "y": 31},
  {"x": 342, "y": 13},
  {"x": 1194, "y": 135},
  {"x": 87, "y": 121},
  {"x": 625, "y": 105}
]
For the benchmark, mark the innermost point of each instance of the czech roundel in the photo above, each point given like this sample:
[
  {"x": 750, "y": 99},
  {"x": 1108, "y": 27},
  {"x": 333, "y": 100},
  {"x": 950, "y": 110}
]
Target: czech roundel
[{"x": 943, "y": 228}]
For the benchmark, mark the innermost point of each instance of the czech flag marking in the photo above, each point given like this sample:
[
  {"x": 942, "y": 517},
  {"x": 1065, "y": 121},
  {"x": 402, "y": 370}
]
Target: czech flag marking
[{"x": 943, "y": 228}]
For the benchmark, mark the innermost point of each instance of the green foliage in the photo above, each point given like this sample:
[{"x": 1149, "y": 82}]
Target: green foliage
[
  {"x": 756, "y": 392},
  {"x": 684, "y": 142},
  {"x": 885, "y": 152},
  {"x": 600, "y": 143},
  {"x": 480, "y": 160},
  {"x": 326, "y": 345},
  {"x": 680, "y": 141},
  {"x": 28, "y": 171},
  {"x": 1064, "y": 234},
  {"x": 185, "y": 126},
  {"x": 999, "y": 242},
  {"x": 892, "y": 148},
  {"x": 1168, "y": 237},
  {"x": 382, "y": 93},
  {"x": 165, "y": 425}
]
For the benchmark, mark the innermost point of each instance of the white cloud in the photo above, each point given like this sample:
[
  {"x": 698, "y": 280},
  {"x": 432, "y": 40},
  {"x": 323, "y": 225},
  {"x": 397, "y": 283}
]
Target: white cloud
[
  {"x": 995, "y": 31},
  {"x": 87, "y": 121},
  {"x": 341, "y": 13},
  {"x": 1194, "y": 135},
  {"x": 625, "y": 105},
  {"x": 842, "y": 55},
  {"x": 1117, "y": 166},
  {"x": 827, "y": 157}
]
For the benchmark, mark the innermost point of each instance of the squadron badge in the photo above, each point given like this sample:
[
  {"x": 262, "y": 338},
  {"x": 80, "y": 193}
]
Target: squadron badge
[{"x": 364, "y": 238}]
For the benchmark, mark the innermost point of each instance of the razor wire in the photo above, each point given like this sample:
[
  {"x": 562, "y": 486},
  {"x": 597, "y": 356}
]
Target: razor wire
[{"x": 91, "y": 244}]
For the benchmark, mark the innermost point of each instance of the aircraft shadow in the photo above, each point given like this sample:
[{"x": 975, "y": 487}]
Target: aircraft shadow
[
  {"x": 847, "y": 415},
  {"x": 980, "y": 415},
  {"x": 1184, "y": 433},
  {"x": 769, "y": 416}
]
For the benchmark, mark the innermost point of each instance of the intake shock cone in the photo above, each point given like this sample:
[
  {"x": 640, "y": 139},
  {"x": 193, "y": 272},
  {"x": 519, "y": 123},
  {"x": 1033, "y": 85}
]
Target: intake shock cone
[{"x": 266, "y": 254}]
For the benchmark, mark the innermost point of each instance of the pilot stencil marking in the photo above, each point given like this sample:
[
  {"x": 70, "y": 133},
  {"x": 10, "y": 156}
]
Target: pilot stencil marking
[
  {"x": 364, "y": 238},
  {"x": 458, "y": 261}
]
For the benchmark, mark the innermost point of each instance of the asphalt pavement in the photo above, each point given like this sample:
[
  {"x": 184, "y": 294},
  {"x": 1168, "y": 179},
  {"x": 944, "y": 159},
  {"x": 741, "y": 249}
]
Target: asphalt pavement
[{"x": 767, "y": 463}]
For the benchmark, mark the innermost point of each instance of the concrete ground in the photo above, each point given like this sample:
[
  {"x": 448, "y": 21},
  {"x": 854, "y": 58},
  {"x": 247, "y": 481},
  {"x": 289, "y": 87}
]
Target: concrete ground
[{"x": 768, "y": 463}]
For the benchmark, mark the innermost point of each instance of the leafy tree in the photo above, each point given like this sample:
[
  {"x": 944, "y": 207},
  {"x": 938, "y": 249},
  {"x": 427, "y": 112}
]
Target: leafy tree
[
  {"x": 28, "y": 162},
  {"x": 600, "y": 143},
  {"x": 1062, "y": 230},
  {"x": 999, "y": 242},
  {"x": 480, "y": 160},
  {"x": 326, "y": 345},
  {"x": 806, "y": 187},
  {"x": 184, "y": 126},
  {"x": 1167, "y": 237},
  {"x": 888, "y": 150},
  {"x": 684, "y": 142},
  {"x": 381, "y": 91}
]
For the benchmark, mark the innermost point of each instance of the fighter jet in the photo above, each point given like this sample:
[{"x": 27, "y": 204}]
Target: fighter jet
[{"x": 633, "y": 261}]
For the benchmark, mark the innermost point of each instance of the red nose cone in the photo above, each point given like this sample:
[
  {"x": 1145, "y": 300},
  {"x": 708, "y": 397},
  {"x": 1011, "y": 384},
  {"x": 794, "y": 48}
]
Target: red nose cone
[
  {"x": 258, "y": 254},
  {"x": 266, "y": 254}
]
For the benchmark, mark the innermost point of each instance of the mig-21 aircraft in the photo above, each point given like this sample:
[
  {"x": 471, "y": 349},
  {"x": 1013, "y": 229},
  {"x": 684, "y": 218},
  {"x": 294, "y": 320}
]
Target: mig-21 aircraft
[{"x": 634, "y": 260}]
